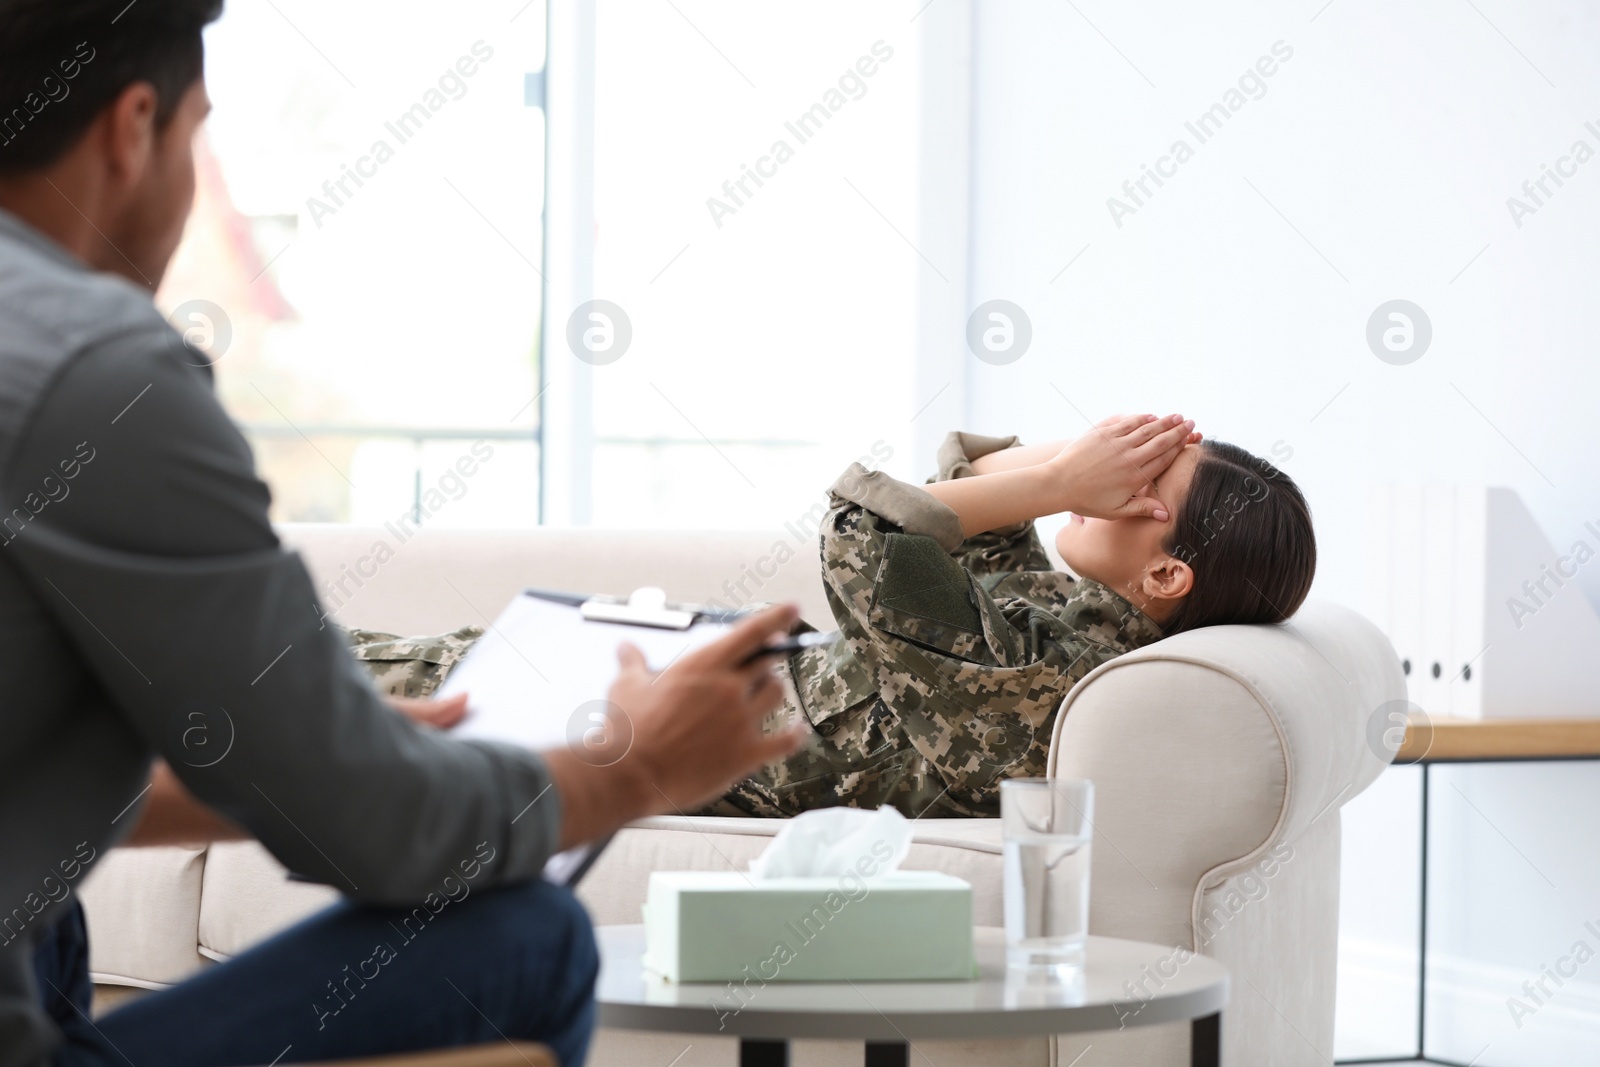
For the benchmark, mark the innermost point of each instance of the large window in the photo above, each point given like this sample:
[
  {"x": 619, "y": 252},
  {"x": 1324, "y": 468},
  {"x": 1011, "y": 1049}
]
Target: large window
[
  {"x": 755, "y": 217},
  {"x": 367, "y": 254},
  {"x": 364, "y": 257}
]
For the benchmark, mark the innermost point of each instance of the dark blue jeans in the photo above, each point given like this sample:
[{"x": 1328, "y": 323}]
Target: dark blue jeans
[{"x": 518, "y": 962}]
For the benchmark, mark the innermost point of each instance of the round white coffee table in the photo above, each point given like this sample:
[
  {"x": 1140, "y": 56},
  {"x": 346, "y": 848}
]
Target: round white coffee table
[{"x": 1123, "y": 983}]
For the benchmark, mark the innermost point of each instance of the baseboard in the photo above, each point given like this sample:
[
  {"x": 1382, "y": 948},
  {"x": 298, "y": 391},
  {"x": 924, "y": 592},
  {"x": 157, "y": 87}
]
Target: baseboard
[{"x": 1467, "y": 1008}]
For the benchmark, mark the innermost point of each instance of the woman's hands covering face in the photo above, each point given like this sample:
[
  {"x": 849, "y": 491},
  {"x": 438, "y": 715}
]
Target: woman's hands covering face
[{"x": 1110, "y": 472}]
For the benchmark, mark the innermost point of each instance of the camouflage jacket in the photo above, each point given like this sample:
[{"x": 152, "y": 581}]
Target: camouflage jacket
[
  {"x": 410, "y": 666},
  {"x": 953, "y": 657}
]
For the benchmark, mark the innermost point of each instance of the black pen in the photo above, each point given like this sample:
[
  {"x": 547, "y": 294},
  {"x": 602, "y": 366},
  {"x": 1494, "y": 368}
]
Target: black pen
[{"x": 791, "y": 644}]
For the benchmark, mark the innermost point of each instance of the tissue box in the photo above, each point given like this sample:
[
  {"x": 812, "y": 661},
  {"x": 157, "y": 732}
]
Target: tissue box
[{"x": 714, "y": 926}]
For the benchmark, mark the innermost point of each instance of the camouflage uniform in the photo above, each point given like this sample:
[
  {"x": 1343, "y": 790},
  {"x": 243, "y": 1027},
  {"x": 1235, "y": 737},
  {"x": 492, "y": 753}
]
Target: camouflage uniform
[
  {"x": 410, "y": 666},
  {"x": 953, "y": 658}
]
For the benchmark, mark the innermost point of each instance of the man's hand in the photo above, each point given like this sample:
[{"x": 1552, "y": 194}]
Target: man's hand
[
  {"x": 697, "y": 726},
  {"x": 1110, "y": 472},
  {"x": 678, "y": 739}
]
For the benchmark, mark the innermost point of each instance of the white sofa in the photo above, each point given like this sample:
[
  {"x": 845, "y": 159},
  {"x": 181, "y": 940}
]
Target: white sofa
[{"x": 1221, "y": 758}]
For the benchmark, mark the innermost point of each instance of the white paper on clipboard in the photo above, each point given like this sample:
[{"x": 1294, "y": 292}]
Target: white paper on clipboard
[{"x": 537, "y": 666}]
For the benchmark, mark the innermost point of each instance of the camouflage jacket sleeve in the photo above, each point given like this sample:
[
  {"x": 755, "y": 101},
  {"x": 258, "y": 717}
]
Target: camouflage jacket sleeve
[
  {"x": 974, "y": 677},
  {"x": 1009, "y": 548}
]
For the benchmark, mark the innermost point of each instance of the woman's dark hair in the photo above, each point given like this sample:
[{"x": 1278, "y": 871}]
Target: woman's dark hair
[
  {"x": 1245, "y": 531},
  {"x": 63, "y": 61}
]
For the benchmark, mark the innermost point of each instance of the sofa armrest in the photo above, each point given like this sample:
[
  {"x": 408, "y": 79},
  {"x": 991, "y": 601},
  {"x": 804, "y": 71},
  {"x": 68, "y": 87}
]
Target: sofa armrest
[
  {"x": 1220, "y": 759},
  {"x": 1187, "y": 782},
  {"x": 1210, "y": 748}
]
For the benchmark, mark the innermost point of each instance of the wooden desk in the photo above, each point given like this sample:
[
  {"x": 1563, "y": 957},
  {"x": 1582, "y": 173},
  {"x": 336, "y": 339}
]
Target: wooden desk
[
  {"x": 1444, "y": 740},
  {"x": 1433, "y": 740}
]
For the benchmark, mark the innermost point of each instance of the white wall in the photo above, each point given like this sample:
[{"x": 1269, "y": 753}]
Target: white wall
[
  {"x": 1376, "y": 166},
  {"x": 1391, "y": 141}
]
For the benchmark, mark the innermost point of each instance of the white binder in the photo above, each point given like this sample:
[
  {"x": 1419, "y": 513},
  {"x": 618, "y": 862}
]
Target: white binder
[{"x": 1461, "y": 576}]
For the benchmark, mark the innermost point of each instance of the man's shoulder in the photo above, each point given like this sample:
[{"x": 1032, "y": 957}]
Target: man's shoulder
[
  {"x": 53, "y": 313},
  {"x": 53, "y": 308}
]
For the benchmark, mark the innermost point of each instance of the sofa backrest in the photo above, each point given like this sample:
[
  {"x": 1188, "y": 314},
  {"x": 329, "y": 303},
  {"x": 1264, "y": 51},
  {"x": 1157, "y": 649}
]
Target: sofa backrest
[{"x": 437, "y": 579}]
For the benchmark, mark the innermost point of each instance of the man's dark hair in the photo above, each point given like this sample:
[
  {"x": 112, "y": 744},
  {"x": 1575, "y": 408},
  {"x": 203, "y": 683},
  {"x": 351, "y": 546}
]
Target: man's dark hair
[
  {"x": 63, "y": 61},
  {"x": 1245, "y": 531}
]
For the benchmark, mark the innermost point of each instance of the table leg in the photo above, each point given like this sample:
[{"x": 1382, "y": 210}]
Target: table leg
[
  {"x": 888, "y": 1054},
  {"x": 756, "y": 1053},
  {"x": 1205, "y": 1041},
  {"x": 1422, "y": 927}
]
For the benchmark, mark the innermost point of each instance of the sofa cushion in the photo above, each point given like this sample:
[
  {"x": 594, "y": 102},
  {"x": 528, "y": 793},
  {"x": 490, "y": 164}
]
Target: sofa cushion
[
  {"x": 141, "y": 904},
  {"x": 247, "y": 896},
  {"x": 242, "y": 895}
]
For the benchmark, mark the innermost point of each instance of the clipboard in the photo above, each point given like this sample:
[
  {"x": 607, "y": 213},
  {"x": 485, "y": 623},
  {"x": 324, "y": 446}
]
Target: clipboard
[
  {"x": 646, "y": 606},
  {"x": 539, "y": 676}
]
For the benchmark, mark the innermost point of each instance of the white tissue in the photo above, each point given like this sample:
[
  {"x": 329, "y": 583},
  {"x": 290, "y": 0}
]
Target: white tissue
[{"x": 831, "y": 842}]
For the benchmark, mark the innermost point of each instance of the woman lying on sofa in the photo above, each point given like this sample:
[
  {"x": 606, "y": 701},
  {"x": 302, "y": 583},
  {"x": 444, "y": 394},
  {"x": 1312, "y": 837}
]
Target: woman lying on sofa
[{"x": 958, "y": 640}]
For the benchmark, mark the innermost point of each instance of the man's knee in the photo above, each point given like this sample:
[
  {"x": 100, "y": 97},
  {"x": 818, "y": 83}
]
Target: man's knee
[
  {"x": 547, "y": 921},
  {"x": 564, "y": 908},
  {"x": 552, "y": 945}
]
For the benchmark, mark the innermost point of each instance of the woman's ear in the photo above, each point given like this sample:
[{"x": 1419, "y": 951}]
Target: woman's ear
[{"x": 1165, "y": 583}]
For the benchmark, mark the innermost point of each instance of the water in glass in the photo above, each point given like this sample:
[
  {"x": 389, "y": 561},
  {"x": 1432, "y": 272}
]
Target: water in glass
[{"x": 1047, "y": 900}]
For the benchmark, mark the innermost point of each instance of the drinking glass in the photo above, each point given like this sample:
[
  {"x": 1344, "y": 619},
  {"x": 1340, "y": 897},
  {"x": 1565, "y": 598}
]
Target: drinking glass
[{"x": 1047, "y": 826}]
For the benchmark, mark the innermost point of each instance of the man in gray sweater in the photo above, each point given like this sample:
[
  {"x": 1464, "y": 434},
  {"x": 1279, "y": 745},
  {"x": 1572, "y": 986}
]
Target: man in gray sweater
[{"x": 141, "y": 582}]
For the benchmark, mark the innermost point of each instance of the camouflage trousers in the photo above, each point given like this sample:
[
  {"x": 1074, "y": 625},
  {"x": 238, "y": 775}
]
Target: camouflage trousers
[
  {"x": 859, "y": 758},
  {"x": 410, "y": 666}
]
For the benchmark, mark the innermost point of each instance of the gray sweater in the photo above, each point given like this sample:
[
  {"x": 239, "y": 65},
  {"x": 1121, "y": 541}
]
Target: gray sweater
[{"x": 143, "y": 595}]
